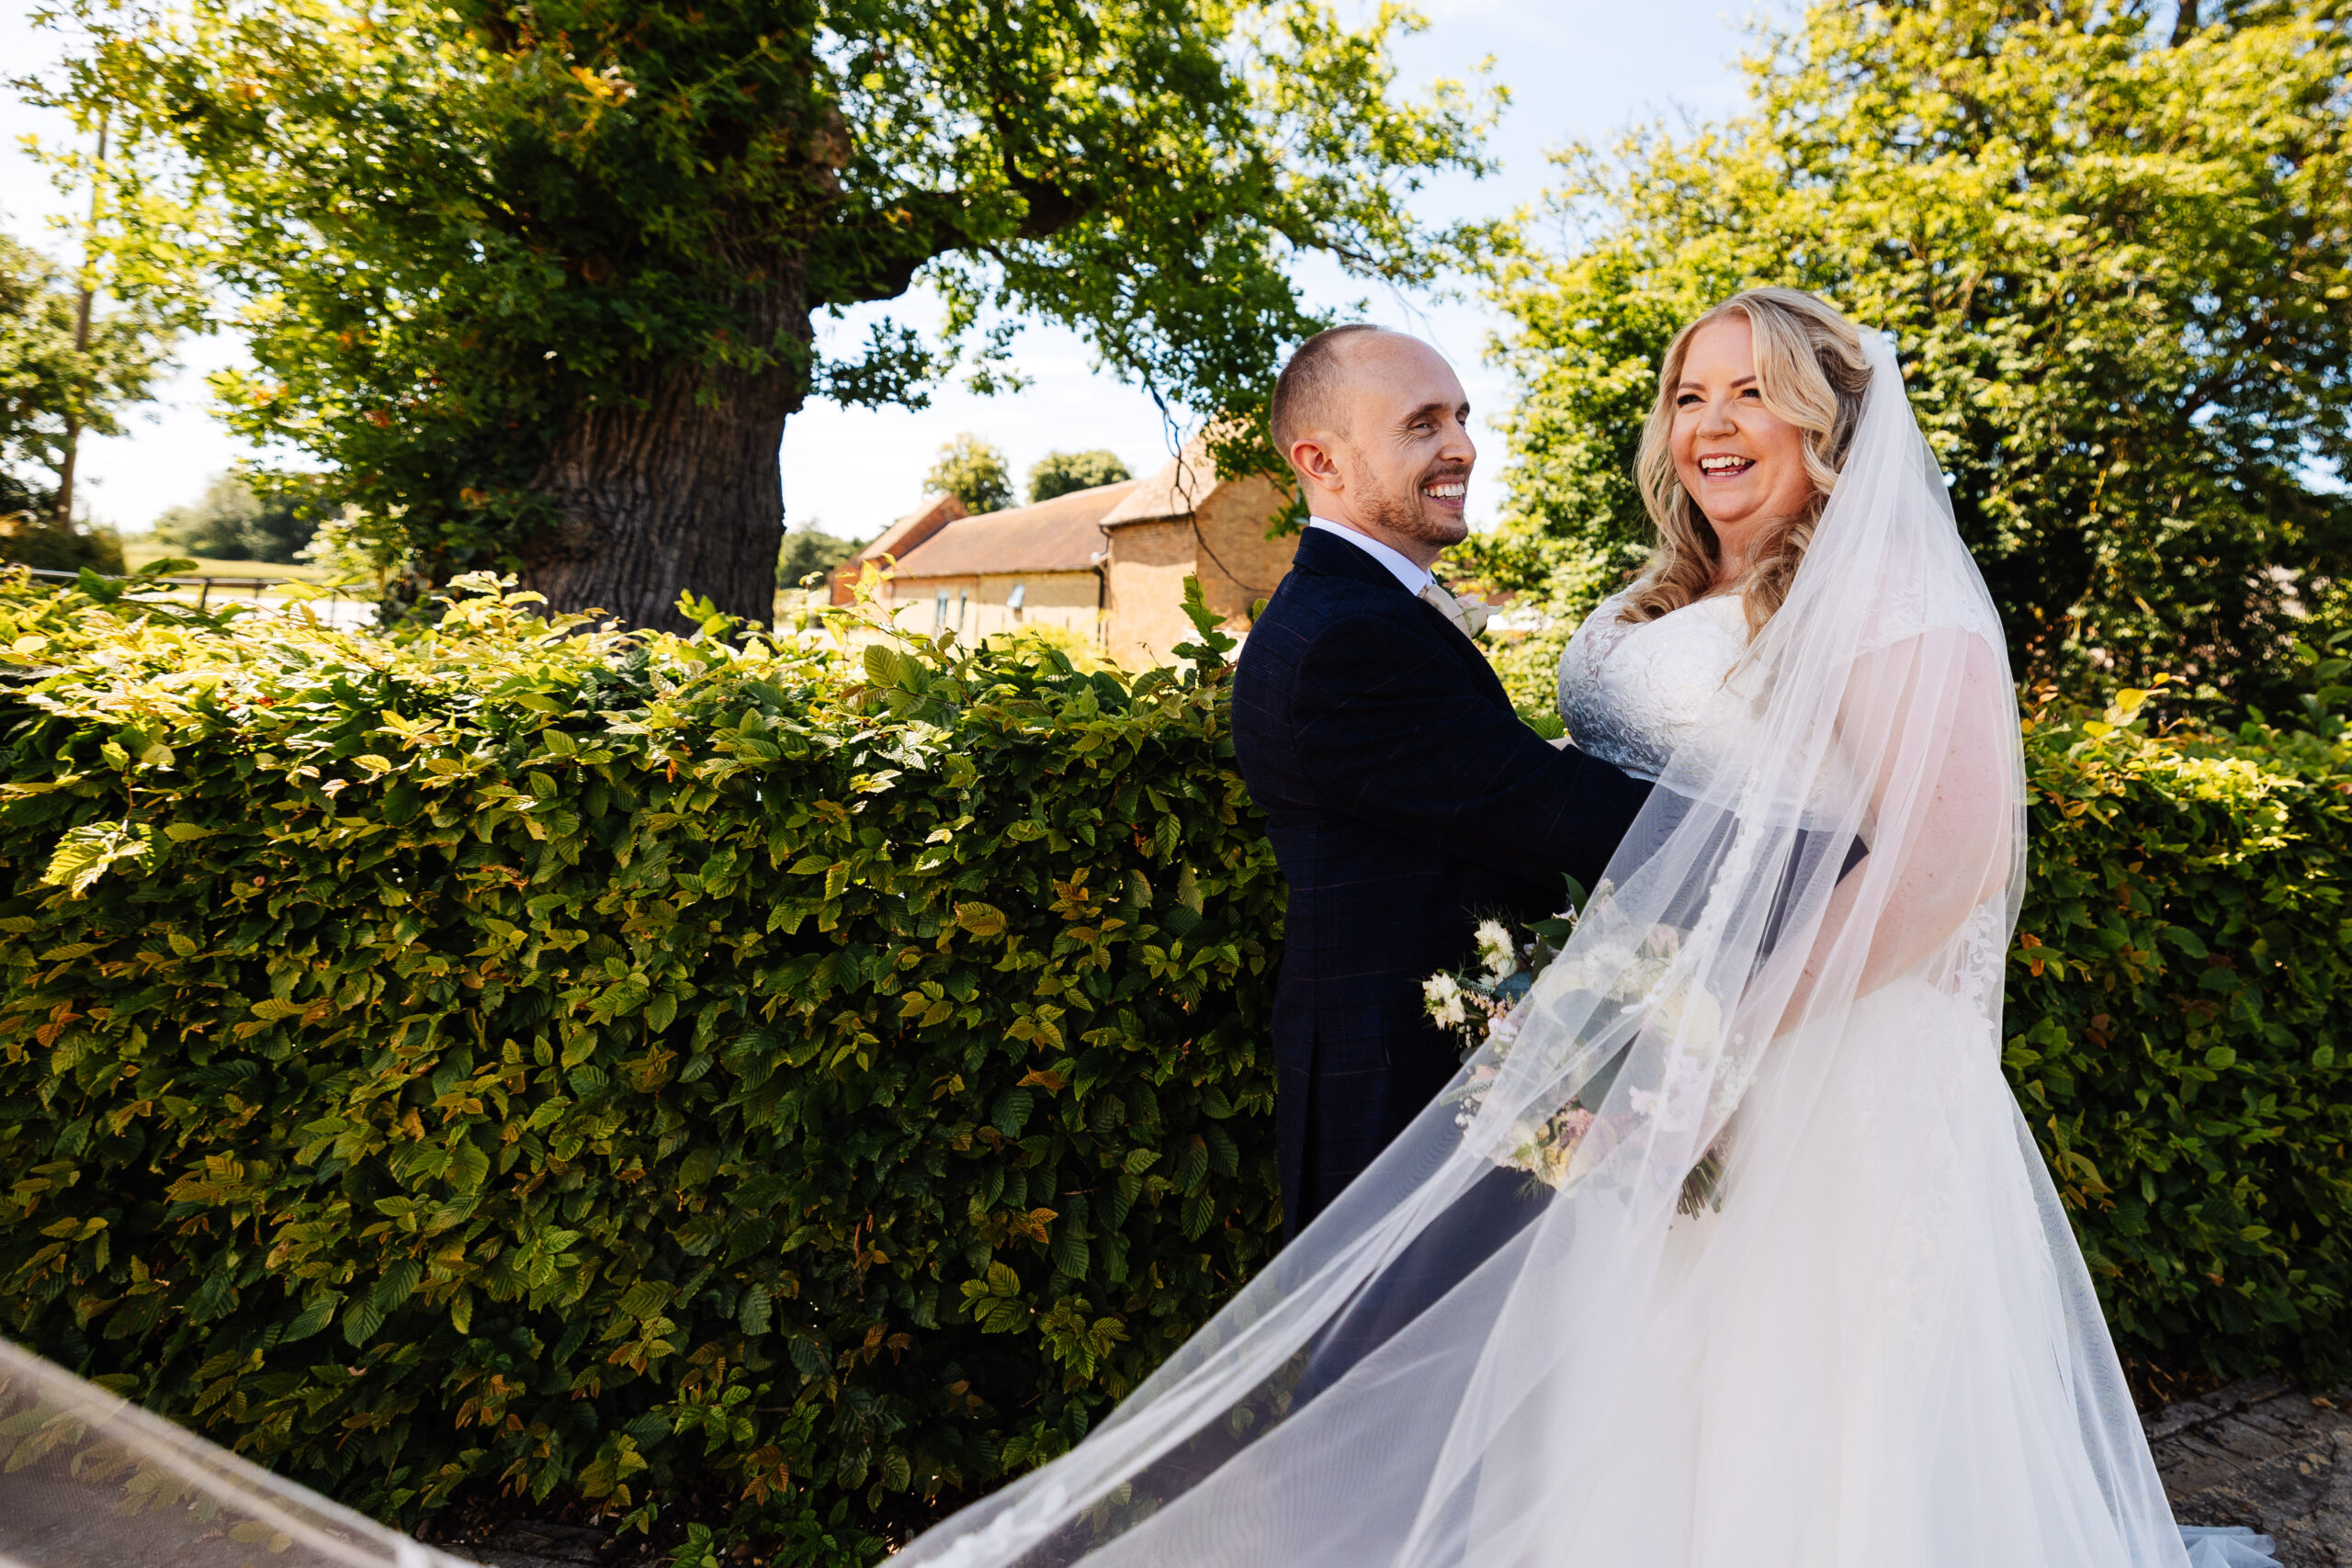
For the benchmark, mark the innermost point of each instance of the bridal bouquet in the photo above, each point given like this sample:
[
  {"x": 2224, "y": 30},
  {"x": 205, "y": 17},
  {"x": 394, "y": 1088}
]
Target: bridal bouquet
[{"x": 1483, "y": 1008}]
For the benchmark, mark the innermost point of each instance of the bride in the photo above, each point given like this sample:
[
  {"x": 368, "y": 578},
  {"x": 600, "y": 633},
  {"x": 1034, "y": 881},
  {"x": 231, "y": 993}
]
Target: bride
[
  {"x": 1861, "y": 1333},
  {"x": 1795, "y": 1293}
]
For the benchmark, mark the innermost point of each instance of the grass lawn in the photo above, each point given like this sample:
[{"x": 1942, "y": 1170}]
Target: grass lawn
[{"x": 138, "y": 549}]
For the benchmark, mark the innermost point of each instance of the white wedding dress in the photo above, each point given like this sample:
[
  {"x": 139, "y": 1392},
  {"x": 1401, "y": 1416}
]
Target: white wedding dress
[{"x": 1853, "y": 1363}]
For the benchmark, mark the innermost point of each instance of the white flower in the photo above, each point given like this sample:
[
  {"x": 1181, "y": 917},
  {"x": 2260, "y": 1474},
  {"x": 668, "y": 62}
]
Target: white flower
[
  {"x": 1444, "y": 999},
  {"x": 1692, "y": 1016},
  {"x": 1495, "y": 949},
  {"x": 1607, "y": 966}
]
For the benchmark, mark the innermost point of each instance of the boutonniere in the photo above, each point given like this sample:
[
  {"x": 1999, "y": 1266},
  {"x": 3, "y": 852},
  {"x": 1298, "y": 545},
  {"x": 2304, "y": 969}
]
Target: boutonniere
[
  {"x": 1474, "y": 614},
  {"x": 1468, "y": 614}
]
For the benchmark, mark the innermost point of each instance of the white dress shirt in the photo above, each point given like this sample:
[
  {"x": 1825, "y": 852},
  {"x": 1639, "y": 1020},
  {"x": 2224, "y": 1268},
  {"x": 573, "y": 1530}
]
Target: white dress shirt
[{"x": 1413, "y": 578}]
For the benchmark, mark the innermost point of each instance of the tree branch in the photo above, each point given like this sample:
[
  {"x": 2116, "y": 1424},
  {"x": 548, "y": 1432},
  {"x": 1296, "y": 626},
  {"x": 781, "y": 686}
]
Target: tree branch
[{"x": 875, "y": 256}]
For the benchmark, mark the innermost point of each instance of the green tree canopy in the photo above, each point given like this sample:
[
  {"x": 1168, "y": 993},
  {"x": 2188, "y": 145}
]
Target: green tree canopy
[
  {"x": 237, "y": 521},
  {"x": 810, "y": 549},
  {"x": 2115, "y": 260},
  {"x": 43, "y": 377},
  {"x": 1058, "y": 473},
  {"x": 973, "y": 472},
  {"x": 535, "y": 282}
]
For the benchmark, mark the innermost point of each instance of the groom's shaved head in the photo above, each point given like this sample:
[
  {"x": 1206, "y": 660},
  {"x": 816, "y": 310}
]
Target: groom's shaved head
[
  {"x": 1305, "y": 394},
  {"x": 1375, "y": 426}
]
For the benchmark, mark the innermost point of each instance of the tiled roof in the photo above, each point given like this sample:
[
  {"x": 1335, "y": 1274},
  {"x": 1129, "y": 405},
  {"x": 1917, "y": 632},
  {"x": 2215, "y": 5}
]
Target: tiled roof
[
  {"x": 908, "y": 532},
  {"x": 1175, "y": 491},
  {"x": 1060, "y": 534}
]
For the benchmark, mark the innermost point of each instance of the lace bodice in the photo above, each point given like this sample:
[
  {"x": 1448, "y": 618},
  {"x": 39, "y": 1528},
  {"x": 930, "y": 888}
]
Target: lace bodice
[{"x": 1632, "y": 691}]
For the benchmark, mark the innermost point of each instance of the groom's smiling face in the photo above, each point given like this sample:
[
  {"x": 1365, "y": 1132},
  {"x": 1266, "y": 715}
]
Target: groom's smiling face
[{"x": 1388, "y": 452}]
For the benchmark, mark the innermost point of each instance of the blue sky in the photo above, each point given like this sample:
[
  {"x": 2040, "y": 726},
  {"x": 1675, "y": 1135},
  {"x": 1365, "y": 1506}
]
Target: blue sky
[{"x": 1576, "y": 70}]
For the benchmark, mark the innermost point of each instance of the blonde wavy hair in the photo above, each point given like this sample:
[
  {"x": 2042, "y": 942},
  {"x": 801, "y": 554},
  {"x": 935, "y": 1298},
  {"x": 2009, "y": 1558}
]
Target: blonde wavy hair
[{"x": 1811, "y": 371}]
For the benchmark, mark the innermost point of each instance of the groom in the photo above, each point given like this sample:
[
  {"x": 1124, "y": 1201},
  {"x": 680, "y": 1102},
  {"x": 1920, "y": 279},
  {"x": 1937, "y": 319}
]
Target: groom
[{"x": 1407, "y": 799}]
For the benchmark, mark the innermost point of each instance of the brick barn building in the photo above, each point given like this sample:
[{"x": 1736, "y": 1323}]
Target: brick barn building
[{"x": 1109, "y": 563}]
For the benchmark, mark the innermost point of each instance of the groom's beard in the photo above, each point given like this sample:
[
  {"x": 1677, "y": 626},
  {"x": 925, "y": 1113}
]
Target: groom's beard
[{"x": 1411, "y": 515}]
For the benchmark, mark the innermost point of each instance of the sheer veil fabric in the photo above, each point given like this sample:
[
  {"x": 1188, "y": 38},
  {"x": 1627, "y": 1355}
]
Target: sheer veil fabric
[
  {"x": 1505, "y": 1344},
  {"x": 89, "y": 1481}
]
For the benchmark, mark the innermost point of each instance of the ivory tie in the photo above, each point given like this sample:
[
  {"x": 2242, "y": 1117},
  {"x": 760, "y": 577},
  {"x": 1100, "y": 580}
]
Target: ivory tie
[{"x": 1467, "y": 613}]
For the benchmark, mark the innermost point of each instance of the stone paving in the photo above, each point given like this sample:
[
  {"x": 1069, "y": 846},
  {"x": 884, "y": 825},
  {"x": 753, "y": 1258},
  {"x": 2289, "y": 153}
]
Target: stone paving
[
  {"x": 523, "y": 1544},
  {"x": 2262, "y": 1454}
]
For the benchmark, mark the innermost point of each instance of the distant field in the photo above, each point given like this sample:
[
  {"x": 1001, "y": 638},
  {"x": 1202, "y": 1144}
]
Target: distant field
[{"x": 138, "y": 550}]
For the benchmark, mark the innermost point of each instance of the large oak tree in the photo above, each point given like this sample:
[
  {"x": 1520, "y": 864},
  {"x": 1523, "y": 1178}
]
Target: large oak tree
[{"x": 537, "y": 281}]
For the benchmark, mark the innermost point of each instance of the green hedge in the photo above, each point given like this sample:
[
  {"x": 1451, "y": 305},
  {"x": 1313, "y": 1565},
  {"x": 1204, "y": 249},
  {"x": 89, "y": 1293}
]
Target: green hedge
[
  {"x": 2178, "y": 1004},
  {"x": 513, "y": 1060},
  {"x": 743, "y": 1078}
]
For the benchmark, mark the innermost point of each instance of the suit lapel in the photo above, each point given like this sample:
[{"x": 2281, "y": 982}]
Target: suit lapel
[
  {"x": 1489, "y": 683},
  {"x": 1319, "y": 552},
  {"x": 1469, "y": 652}
]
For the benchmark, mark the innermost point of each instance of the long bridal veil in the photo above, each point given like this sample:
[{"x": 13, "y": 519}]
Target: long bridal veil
[
  {"x": 1523, "y": 1337},
  {"x": 90, "y": 1481}
]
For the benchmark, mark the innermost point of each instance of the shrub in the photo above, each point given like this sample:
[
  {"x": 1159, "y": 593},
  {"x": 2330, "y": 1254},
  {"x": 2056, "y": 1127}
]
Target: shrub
[
  {"x": 516, "y": 1058},
  {"x": 41, "y": 542},
  {"x": 810, "y": 549},
  {"x": 2177, "y": 1026},
  {"x": 1034, "y": 639}
]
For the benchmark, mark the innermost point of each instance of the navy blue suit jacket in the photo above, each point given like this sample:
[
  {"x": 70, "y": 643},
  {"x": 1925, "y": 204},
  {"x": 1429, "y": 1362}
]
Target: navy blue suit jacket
[{"x": 1407, "y": 801}]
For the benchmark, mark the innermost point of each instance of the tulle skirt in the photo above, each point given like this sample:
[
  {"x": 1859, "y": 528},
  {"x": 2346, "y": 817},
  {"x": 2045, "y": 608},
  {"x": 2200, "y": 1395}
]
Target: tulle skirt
[{"x": 1881, "y": 1349}]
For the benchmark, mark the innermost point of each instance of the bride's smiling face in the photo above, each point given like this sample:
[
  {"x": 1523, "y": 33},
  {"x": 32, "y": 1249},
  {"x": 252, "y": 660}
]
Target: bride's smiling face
[{"x": 1742, "y": 463}]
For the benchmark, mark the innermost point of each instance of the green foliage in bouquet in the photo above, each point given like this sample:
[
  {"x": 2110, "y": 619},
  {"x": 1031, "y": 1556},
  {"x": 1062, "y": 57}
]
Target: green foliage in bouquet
[
  {"x": 783, "y": 1083},
  {"x": 2177, "y": 1026}
]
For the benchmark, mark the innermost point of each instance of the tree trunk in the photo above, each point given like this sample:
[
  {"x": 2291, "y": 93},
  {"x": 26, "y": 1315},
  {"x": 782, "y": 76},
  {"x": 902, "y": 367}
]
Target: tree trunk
[
  {"x": 673, "y": 487},
  {"x": 81, "y": 387}
]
